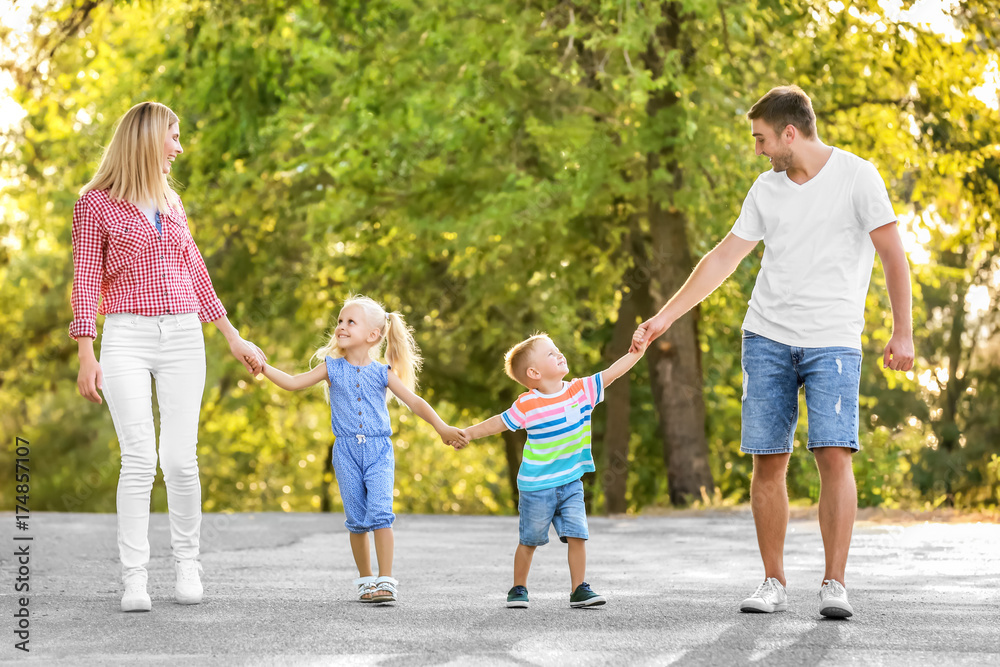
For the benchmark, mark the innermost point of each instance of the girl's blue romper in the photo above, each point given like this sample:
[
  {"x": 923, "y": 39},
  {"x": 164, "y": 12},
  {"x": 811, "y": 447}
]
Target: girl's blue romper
[{"x": 362, "y": 452}]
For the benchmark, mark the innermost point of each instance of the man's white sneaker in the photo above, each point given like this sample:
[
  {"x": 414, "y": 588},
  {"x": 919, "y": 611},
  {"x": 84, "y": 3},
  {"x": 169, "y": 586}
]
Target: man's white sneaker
[
  {"x": 136, "y": 598},
  {"x": 833, "y": 600},
  {"x": 770, "y": 596},
  {"x": 188, "y": 589}
]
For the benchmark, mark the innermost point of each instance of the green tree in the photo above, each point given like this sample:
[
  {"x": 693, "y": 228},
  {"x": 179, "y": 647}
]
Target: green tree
[{"x": 491, "y": 171}]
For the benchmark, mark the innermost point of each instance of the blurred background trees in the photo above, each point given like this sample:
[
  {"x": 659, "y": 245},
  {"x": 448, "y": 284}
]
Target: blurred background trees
[{"x": 491, "y": 170}]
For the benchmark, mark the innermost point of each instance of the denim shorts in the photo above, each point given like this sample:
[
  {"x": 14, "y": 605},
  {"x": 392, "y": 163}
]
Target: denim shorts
[
  {"x": 561, "y": 506},
  {"x": 772, "y": 375}
]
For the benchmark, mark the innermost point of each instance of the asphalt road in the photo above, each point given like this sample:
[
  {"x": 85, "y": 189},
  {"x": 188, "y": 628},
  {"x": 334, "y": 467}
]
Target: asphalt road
[{"x": 278, "y": 591}]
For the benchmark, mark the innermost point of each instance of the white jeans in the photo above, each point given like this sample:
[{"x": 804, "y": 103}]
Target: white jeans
[{"x": 171, "y": 349}]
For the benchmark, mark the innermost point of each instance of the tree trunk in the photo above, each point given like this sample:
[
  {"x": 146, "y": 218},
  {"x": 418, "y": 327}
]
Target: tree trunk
[
  {"x": 326, "y": 502},
  {"x": 674, "y": 358},
  {"x": 513, "y": 447},
  {"x": 614, "y": 476},
  {"x": 675, "y": 374},
  {"x": 948, "y": 430}
]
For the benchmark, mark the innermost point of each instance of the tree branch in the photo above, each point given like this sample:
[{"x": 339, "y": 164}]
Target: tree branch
[
  {"x": 725, "y": 31},
  {"x": 44, "y": 52},
  {"x": 848, "y": 106},
  {"x": 569, "y": 45}
]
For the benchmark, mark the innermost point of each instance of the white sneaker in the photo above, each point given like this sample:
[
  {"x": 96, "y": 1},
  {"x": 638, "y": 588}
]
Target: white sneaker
[
  {"x": 136, "y": 598},
  {"x": 770, "y": 596},
  {"x": 833, "y": 600},
  {"x": 188, "y": 589}
]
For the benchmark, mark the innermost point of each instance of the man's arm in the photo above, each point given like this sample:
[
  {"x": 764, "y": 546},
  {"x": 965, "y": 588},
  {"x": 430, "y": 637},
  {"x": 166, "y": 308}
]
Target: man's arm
[
  {"x": 710, "y": 272},
  {"x": 899, "y": 352}
]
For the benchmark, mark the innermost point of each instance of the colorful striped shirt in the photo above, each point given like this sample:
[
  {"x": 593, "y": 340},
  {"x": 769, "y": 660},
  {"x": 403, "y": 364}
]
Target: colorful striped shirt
[{"x": 558, "y": 448}]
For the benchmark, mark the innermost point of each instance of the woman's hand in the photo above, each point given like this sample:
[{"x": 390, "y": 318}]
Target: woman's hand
[
  {"x": 248, "y": 354},
  {"x": 90, "y": 378}
]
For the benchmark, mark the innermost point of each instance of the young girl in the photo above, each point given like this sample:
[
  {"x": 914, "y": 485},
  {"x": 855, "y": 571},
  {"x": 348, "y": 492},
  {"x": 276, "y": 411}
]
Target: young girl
[{"x": 362, "y": 454}]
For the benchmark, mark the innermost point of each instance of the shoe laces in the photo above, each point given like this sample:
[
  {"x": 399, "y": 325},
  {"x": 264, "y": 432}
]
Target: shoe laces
[
  {"x": 584, "y": 587},
  {"x": 188, "y": 570},
  {"x": 520, "y": 590},
  {"x": 832, "y": 587},
  {"x": 767, "y": 586}
]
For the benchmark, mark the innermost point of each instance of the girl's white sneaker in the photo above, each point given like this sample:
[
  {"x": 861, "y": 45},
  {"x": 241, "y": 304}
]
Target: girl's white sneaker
[
  {"x": 188, "y": 589},
  {"x": 833, "y": 600}
]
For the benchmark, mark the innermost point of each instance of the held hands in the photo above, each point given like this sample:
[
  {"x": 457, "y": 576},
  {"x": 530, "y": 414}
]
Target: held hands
[
  {"x": 454, "y": 437},
  {"x": 647, "y": 332},
  {"x": 898, "y": 355},
  {"x": 248, "y": 354}
]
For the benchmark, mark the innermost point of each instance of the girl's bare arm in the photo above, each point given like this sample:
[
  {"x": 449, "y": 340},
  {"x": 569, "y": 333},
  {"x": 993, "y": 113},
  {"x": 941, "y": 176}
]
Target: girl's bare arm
[{"x": 295, "y": 382}]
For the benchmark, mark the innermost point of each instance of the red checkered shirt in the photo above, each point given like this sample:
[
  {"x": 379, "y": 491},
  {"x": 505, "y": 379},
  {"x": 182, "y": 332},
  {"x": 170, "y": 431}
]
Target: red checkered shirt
[{"x": 119, "y": 256}]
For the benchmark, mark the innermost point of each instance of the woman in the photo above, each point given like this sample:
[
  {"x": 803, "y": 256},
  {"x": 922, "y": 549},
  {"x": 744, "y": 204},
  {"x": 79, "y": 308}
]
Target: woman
[{"x": 133, "y": 249}]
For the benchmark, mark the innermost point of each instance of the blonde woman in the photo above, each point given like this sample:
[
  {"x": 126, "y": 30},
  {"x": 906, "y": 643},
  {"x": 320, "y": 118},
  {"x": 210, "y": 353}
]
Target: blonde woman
[
  {"x": 133, "y": 253},
  {"x": 363, "y": 458}
]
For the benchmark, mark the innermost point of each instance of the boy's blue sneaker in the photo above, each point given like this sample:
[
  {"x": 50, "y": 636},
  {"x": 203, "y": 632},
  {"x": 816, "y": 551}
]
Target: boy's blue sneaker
[
  {"x": 518, "y": 597},
  {"x": 584, "y": 597}
]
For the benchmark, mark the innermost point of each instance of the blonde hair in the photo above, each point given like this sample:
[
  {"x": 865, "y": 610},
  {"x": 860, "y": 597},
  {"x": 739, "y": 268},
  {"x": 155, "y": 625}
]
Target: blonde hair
[
  {"x": 401, "y": 351},
  {"x": 518, "y": 358},
  {"x": 131, "y": 167}
]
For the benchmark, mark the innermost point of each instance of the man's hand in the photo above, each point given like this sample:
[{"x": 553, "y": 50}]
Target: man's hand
[
  {"x": 648, "y": 331},
  {"x": 898, "y": 355}
]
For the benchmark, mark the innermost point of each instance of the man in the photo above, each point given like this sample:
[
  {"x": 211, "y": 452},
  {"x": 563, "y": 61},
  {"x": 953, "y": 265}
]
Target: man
[{"x": 822, "y": 214}]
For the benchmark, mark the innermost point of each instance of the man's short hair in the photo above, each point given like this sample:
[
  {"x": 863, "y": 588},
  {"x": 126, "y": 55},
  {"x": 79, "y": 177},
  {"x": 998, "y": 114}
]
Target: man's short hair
[
  {"x": 518, "y": 358},
  {"x": 784, "y": 106}
]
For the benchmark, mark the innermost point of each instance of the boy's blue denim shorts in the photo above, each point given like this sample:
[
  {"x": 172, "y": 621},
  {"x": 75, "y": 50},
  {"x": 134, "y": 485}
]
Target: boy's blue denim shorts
[
  {"x": 561, "y": 506},
  {"x": 772, "y": 375}
]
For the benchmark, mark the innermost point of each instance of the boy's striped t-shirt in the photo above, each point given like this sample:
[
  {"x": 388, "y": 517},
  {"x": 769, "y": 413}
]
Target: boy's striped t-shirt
[{"x": 558, "y": 448}]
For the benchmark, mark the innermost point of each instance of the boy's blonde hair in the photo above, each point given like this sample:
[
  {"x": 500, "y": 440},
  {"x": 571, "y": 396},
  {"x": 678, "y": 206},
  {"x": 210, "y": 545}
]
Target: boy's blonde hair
[
  {"x": 401, "y": 351},
  {"x": 131, "y": 168},
  {"x": 518, "y": 358}
]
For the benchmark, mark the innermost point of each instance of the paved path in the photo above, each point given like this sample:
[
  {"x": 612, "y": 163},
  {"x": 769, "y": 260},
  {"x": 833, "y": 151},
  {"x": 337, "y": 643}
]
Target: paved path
[{"x": 277, "y": 592}]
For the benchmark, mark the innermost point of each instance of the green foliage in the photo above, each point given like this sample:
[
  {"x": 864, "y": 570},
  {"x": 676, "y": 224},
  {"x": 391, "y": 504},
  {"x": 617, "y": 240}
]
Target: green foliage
[{"x": 481, "y": 168}]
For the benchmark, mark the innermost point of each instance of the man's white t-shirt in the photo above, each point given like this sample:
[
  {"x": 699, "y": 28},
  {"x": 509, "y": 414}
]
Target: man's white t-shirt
[{"x": 818, "y": 254}]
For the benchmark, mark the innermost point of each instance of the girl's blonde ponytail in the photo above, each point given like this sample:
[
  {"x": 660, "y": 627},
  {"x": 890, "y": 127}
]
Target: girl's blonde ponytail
[{"x": 401, "y": 351}]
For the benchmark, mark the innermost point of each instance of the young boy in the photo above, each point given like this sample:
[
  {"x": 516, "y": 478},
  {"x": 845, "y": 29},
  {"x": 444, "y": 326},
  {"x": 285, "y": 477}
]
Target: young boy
[{"x": 556, "y": 415}]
